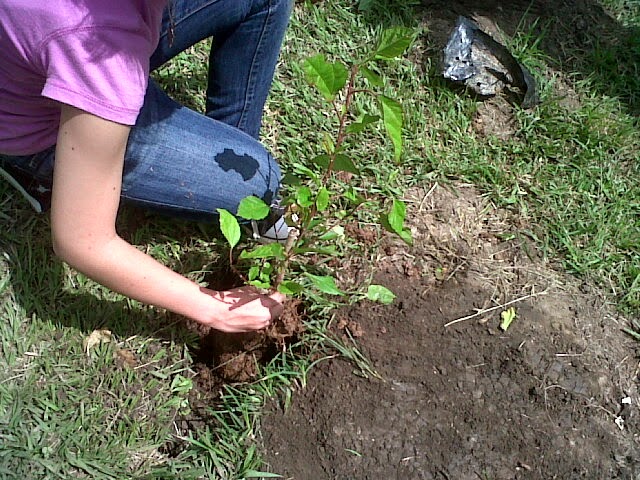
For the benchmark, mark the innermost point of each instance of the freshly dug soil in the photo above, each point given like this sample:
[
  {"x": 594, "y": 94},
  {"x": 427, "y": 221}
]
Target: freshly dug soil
[{"x": 468, "y": 401}]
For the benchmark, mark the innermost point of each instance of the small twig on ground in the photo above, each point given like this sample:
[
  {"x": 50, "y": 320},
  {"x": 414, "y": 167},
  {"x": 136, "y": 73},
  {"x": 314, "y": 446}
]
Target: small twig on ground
[
  {"x": 497, "y": 307},
  {"x": 424, "y": 199}
]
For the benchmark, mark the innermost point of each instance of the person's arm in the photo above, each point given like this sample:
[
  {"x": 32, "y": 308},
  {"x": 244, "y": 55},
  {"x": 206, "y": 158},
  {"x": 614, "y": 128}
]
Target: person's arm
[{"x": 86, "y": 194}]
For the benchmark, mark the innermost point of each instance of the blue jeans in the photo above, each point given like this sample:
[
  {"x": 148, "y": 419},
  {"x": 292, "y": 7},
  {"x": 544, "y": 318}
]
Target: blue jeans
[{"x": 187, "y": 164}]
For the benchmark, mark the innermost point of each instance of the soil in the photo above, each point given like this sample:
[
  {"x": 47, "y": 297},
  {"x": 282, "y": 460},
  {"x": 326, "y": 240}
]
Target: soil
[{"x": 468, "y": 401}]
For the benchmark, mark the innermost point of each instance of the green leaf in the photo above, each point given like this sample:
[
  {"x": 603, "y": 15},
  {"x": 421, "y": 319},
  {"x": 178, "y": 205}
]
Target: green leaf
[
  {"x": 322, "y": 199},
  {"x": 230, "y": 227},
  {"x": 254, "y": 271},
  {"x": 405, "y": 235},
  {"x": 330, "y": 78},
  {"x": 322, "y": 160},
  {"x": 392, "y": 119},
  {"x": 394, "y": 221},
  {"x": 271, "y": 250},
  {"x": 253, "y": 208},
  {"x": 290, "y": 288},
  {"x": 353, "y": 196},
  {"x": 378, "y": 293},
  {"x": 507, "y": 317},
  {"x": 397, "y": 215},
  {"x": 260, "y": 284},
  {"x": 255, "y": 474},
  {"x": 290, "y": 179},
  {"x": 325, "y": 284},
  {"x": 304, "y": 197},
  {"x": 373, "y": 78},
  {"x": 357, "y": 127},
  {"x": 342, "y": 163},
  {"x": 394, "y": 42},
  {"x": 333, "y": 233},
  {"x": 266, "y": 270}
]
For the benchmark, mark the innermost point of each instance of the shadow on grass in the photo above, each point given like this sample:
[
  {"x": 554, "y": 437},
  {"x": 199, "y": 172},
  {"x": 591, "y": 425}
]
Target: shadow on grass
[
  {"x": 46, "y": 289},
  {"x": 578, "y": 36}
]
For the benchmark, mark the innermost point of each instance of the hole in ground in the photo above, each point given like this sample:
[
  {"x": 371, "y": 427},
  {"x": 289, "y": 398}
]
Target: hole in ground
[{"x": 235, "y": 357}]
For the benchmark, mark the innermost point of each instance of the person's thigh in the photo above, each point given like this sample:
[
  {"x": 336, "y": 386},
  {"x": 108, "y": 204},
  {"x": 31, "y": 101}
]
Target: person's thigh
[
  {"x": 247, "y": 35},
  {"x": 242, "y": 65},
  {"x": 186, "y": 164}
]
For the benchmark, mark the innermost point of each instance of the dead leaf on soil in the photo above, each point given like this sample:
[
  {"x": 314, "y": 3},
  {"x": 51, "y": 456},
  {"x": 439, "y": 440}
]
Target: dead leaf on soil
[
  {"x": 351, "y": 326},
  {"x": 355, "y": 329},
  {"x": 95, "y": 338},
  {"x": 125, "y": 358},
  {"x": 366, "y": 235}
]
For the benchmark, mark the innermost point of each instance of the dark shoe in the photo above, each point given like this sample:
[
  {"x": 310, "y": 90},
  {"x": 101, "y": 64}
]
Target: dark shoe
[
  {"x": 37, "y": 193},
  {"x": 273, "y": 228},
  {"x": 266, "y": 232}
]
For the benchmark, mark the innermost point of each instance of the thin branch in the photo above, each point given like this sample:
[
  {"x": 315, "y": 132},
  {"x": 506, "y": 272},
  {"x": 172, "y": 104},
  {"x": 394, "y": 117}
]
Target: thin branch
[
  {"x": 234, "y": 269},
  {"x": 342, "y": 116},
  {"x": 364, "y": 90},
  {"x": 482, "y": 312}
]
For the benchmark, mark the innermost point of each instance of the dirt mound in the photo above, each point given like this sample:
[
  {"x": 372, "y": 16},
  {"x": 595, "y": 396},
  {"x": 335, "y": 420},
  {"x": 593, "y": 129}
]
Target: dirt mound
[
  {"x": 234, "y": 357},
  {"x": 468, "y": 401}
]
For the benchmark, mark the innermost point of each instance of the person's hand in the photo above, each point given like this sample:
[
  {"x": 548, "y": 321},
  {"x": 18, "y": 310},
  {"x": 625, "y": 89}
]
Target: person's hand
[{"x": 244, "y": 309}]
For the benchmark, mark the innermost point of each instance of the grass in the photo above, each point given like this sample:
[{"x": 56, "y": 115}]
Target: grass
[
  {"x": 573, "y": 171},
  {"x": 570, "y": 172}
]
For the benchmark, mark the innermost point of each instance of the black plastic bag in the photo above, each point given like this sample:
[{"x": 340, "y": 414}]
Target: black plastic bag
[{"x": 485, "y": 66}]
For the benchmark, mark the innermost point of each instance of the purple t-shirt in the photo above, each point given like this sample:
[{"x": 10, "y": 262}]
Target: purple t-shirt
[{"x": 91, "y": 54}]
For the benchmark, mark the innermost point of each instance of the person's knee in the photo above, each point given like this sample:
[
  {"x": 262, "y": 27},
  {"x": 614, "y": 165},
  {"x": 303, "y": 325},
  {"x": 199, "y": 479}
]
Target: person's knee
[
  {"x": 271, "y": 175},
  {"x": 259, "y": 170}
]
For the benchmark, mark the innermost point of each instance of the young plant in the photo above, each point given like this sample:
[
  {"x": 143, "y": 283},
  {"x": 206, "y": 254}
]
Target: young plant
[{"x": 315, "y": 190}]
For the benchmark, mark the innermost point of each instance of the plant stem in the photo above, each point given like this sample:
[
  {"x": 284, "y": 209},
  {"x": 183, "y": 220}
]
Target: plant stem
[
  {"x": 340, "y": 138},
  {"x": 234, "y": 269},
  {"x": 342, "y": 118},
  {"x": 292, "y": 239},
  {"x": 342, "y": 114}
]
